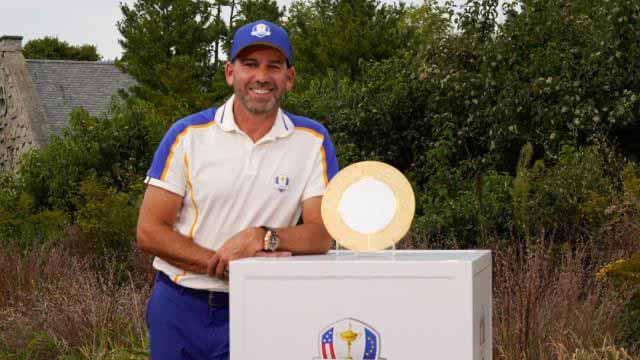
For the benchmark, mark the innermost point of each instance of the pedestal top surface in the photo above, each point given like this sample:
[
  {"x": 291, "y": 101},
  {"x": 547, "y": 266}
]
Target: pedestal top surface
[{"x": 383, "y": 256}]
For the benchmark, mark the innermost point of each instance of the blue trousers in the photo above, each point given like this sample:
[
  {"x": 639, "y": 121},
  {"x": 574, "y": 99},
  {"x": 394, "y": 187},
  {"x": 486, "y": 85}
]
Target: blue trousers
[{"x": 186, "y": 324}]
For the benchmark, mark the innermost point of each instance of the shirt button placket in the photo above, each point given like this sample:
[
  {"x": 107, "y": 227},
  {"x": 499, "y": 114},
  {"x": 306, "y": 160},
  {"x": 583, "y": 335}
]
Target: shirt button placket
[{"x": 251, "y": 161}]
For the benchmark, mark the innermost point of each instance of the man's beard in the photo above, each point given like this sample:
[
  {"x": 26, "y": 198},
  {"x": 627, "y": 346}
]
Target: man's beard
[{"x": 260, "y": 108}]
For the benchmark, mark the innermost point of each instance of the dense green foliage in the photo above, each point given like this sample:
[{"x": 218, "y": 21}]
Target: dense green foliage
[
  {"x": 114, "y": 149},
  {"x": 167, "y": 49},
  {"x": 22, "y": 223},
  {"x": 505, "y": 130},
  {"x": 90, "y": 178},
  {"x": 252, "y": 10},
  {"x": 174, "y": 49},
  {"x": 629, "y": 331},
  {"x": 338, "y": 34},
  {"x": 626, "y": 272},
  {"x": 52, "y": 48},
  {"x": 455, "y": 113}
]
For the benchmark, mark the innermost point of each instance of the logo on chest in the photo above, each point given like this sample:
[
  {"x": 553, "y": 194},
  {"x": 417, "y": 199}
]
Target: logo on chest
[{"x": 282, "y": 183}]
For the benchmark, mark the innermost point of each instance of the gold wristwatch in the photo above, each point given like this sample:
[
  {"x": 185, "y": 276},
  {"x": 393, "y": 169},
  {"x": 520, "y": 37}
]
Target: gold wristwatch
[{"x": 271, "y": 239}]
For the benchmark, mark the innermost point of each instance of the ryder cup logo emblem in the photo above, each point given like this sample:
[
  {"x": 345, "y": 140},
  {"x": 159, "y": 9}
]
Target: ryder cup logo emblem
[
  {"x": 282, "y": 183},
  {"x": 349, "y": 339},
  {"x": 260, "y": 30}
]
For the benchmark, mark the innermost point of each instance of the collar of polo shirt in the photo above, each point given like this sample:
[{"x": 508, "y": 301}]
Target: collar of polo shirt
[{"x": 282, "y": 127}]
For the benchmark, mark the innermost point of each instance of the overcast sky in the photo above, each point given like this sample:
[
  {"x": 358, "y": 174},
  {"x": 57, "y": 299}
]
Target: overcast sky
[{"x": 75, "y": 21}]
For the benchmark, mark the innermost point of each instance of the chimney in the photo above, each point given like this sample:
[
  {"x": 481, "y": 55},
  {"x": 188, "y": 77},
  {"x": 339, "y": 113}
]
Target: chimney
[{"x": 10, "y": 43}]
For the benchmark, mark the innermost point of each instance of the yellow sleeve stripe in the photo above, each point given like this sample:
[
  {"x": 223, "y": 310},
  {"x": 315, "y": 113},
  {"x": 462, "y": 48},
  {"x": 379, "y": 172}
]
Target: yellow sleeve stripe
[
  {"x": 177, "y": 141},
  {"x": 176, "y": 278},
  {"x": 193, "y": 200},
  {"x": 322, "y": 152}
]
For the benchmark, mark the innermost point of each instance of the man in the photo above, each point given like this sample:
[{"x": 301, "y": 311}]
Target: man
[{"x": 226, "y": 184}]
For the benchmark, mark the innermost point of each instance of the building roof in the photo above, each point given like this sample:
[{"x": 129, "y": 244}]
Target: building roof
[{"x": 63, "y": 85}]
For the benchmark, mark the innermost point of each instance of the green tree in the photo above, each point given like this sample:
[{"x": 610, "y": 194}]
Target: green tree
[
  {"x": 337, "y": 35},
  {"x": 52, "y": 48},
  {"x": 454, "y": 115},
  {"x": 168, "y": 49},
  {"x": 425, "y": 24},
  {"x": 252, "y": 10},
  {"x": 223, "y": 41}
]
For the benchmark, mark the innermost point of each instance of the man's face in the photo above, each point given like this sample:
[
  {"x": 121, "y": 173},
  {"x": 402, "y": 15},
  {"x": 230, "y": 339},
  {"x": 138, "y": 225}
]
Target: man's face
[{"x": 260, "y": 77}]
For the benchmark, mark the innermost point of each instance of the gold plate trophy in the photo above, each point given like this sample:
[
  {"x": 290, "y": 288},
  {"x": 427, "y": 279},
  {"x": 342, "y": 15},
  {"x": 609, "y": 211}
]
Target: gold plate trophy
[{"x": 368, "y": 206}]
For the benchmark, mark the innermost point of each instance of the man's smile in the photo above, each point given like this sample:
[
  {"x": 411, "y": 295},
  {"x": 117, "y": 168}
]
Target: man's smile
[{"x": 260, "y": 90}]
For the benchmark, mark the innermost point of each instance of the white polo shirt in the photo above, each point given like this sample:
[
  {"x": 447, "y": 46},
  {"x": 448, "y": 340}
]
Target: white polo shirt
[{"x": 228, "y": 183}]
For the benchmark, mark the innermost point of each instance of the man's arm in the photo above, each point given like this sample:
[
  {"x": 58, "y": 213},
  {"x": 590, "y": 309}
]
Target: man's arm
[
  {"x": 308, "y": 238},
  {"x": 155, "y": 234},
  {"x": 311, "y": 237}
]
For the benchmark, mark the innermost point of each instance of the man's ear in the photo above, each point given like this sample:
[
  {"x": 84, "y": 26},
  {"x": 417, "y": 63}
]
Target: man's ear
[
  {"x": 228, "y": 73},
  {"x": 291, "y": 77}
]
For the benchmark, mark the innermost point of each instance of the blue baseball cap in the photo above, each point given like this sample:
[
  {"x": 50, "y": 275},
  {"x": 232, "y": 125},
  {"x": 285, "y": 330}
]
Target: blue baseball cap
[{"x": 261, "y": 32}]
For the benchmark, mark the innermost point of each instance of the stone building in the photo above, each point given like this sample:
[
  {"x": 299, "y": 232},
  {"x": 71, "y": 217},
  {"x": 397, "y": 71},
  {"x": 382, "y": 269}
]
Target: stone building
[{"x": 36, "y": 96}]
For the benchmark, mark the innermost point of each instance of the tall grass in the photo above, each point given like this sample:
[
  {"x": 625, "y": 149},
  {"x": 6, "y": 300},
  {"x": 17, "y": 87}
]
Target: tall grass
[
  {"x": 53, "y": 305},
  {"x": 547, "y": 304}
]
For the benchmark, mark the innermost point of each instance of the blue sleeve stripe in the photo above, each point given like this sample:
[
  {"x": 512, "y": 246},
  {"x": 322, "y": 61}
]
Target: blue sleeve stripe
[
  {"x": 325, "y": 172},
  {"x": 164, "y": 154},
  {"x": 169, "y": 157},
  {"x": 329, "y": 160}
]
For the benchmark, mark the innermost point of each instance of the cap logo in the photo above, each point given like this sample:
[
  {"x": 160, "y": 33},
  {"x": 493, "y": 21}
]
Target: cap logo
[{"x": 260, "y": 30}]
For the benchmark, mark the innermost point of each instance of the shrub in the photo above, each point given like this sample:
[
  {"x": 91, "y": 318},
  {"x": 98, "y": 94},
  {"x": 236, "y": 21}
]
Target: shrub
[
  {"x": 570, "y": 197},
  {"x": 116, "y": 147},
  {"x": 21, "y": 224},
  {"x": 628, "y": 331},
  {"x": 91, "y": 176},
  {"x": 551, "y": 76},
  {"x": 107, "y": 220},
  {"x": 567, "y": 200},
  {"x": 465, "y": 213}
]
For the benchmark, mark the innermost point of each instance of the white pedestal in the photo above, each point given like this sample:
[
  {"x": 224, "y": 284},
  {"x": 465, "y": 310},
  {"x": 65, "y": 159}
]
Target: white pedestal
[{"x": 402, "y": 306}]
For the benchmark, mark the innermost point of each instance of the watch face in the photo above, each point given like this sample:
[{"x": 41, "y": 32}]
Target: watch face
[{"x": 274, "y": 241}]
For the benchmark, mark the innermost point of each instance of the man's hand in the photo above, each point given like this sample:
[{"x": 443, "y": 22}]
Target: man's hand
[{"x": 247, "y": 243}]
